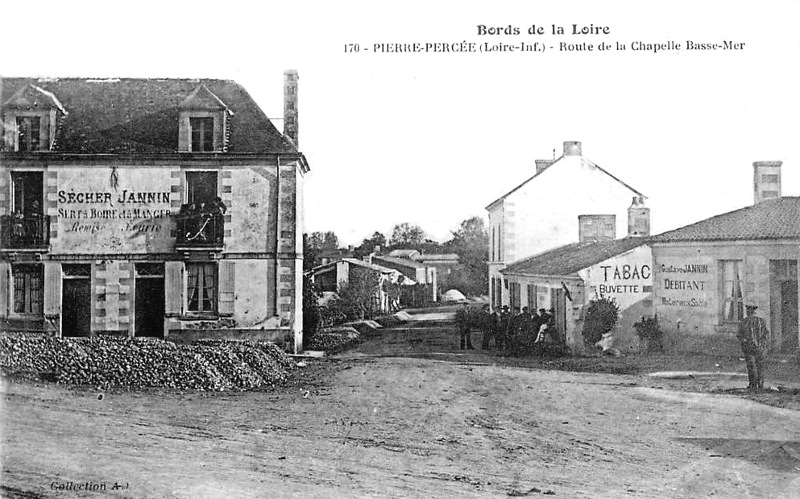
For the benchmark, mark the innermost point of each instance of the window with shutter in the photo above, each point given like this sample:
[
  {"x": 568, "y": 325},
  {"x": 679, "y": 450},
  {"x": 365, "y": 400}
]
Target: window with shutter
[{"x": 28, "y": 281}]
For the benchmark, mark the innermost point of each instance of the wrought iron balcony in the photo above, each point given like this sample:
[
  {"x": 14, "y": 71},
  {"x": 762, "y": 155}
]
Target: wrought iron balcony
[
  {"x": 200, "y": 230},
  {"x": 25, "y": 232}
]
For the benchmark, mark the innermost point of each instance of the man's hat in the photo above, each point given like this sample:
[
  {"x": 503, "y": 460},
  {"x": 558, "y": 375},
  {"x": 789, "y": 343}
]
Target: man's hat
[{"x": 751, "y": 306}]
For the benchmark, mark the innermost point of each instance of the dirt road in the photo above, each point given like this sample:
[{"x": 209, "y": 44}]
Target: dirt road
[{"x": 378, "y": 422}]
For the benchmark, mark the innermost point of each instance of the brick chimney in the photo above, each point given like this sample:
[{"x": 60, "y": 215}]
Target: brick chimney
[
  {"x": 638, "y": 218},
  {"x": 594, "y": 228},
  {"x": 543, "y": 164},
  {"x": 572, "y": 148},
  {"x": 766, "y": 180},
  {"x": 290, "y": 105}
]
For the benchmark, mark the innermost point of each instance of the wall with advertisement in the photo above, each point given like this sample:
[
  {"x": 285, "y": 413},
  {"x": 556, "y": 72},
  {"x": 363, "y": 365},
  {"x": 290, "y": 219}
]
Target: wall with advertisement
[
  {"x": 690, "y": 289},
  {"x": 111, "y": 210},
  {"x": 628, "y": 280}
]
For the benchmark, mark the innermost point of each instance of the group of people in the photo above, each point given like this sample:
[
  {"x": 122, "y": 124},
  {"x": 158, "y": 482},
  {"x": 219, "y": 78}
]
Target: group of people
[
  {"x": 524, "y": 331},
  {"x": 515, "y": 332},
  {"x": 196, "y": 219}
]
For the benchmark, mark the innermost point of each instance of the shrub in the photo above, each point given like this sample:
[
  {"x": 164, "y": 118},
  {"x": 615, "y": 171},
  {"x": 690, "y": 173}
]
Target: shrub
[
  {"x": 650, "y": 333},
  {"x": 601, "y": 317},
  {"x": 311, "y": 312}
]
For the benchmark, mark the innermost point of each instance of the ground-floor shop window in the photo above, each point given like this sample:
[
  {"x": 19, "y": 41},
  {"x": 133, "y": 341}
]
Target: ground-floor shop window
[
  {"x": 202, "y": 286},
  {"x": 731, "y": 299},
  {"x": 28, "y": 288}
]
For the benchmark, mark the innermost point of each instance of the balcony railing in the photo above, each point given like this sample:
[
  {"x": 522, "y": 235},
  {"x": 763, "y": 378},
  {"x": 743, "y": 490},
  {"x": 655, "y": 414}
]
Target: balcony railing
[
  {"x": 200, "y": 230},
  {"x": 29, "y": 231}
]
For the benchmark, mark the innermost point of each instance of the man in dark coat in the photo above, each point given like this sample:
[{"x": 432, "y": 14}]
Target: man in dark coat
[
  {"x": 464, "y": 323},
  {"x": 503, "y": 328},
  {"x": 753, "y": 336},
  {"x": 488, "y": 325}
]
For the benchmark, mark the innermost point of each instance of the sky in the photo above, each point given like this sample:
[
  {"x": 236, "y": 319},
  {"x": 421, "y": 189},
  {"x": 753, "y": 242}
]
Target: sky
[{"x": 432, "y": 138}]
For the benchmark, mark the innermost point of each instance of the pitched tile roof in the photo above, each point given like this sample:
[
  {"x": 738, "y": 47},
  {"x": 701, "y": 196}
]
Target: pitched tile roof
[
  {"x": 398, "y": 261},
  {"x": 357, "y": 263},
  {"x": 403, "y": 253},
  {"x": 437, "y": 257},
  {"x": 134, "y": 115},
  {"x": 568, "y": 260},
  {"x": 777, "y": 218}
]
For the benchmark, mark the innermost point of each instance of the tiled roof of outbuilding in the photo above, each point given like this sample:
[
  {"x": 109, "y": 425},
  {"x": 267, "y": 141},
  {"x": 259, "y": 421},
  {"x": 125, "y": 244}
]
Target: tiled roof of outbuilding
[
  {"x": 568, "y": 260},
  {"x": 134, "y": 115},
  {"x": 777, "y": 218},
  {"x": 399, "y": 261}
]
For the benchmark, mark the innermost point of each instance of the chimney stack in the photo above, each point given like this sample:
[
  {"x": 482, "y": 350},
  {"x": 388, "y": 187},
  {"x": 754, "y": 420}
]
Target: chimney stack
[
  {"x": 638, "y": 218},
  {"x": 766, "y": 180},
  {"x": 572, "y": 148},
  {"x": 290, "y": 105},
  {"x": 595, "y": 228},
  {"x": 543, "y": 164}
]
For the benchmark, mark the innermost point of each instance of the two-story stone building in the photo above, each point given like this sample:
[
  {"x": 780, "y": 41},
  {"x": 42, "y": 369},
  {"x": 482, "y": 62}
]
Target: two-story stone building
[{"x": 149, "y": 207}]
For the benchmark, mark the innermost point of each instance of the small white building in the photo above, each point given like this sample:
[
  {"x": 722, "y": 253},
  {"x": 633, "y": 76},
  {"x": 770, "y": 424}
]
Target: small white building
[{"x": 568, "y": 278}]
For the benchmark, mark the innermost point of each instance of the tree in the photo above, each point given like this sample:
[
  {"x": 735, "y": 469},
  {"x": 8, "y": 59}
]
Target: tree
[
  {"x": 368, "y": 246},
  {"x": 357, "y": 298},
  {"x": 323, "y": 241},
  {"x": 311, "y": 315},
  {"x": 471, "y": 243},
  {"x": 407, "y": 236},
  {"x": 310, "y": 254}
]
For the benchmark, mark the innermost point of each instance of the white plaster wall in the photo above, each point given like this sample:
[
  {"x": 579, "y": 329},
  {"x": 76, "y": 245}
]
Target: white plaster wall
[
  {"x": 546, "y": 209},
  {"x": 252, "y": 292},
  {"x": 250, "y": 207}
]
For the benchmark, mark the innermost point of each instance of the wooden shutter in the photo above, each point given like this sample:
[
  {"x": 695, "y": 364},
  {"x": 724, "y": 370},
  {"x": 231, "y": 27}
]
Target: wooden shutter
[
  {"x": 52, "y": 288},
  {"x": 173, "y": 284},
  {"x": 5, "y": 288},
  {"x": 227, "y": 287}
]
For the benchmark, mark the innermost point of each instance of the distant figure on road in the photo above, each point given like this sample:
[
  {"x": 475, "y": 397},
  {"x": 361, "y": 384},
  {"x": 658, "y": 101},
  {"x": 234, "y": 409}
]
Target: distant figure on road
[
  {"x": 752, "y": 336},
  {"x": 464, "y": 324},
  {"x": 488, "y": 326},
  {"x": 503, "y": 328}
]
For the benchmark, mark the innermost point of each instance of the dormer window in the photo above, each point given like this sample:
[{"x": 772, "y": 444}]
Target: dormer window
[
  {"x": 202, "y": 139},
  {"x": 30, "y": 117},
  {"x": 28, "y": 133},
  {"x": 203, "y": 122}
]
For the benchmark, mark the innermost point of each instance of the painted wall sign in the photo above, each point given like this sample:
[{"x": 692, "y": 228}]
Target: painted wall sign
[
  {"x": 684, "y": 283},
  {"x": 628, "y": 278},
  {"x": 626, "y": 273},
  {"x": 131, "y": 214}
]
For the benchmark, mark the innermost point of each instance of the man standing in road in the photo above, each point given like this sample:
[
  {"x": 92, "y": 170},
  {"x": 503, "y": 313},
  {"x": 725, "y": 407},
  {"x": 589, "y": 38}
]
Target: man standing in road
[
  {"x": 753, "y": 336},
  {"x": 488, "y": 325},
  {"x": 464, "y": 323}
]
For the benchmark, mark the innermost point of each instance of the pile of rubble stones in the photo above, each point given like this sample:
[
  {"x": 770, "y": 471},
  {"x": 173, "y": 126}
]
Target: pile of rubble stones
[{"x": 102, "y": 361}]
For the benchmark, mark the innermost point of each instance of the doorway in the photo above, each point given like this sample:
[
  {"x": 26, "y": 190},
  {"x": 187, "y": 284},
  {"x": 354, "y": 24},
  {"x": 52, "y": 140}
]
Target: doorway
[
  {"x": 149, "y": 300},
  {"x": 558, "y": 303},
  {"x": 784, "y": 305},
  {"x": 789, "y": 316},
  {"x": 76, "y": 301}
]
